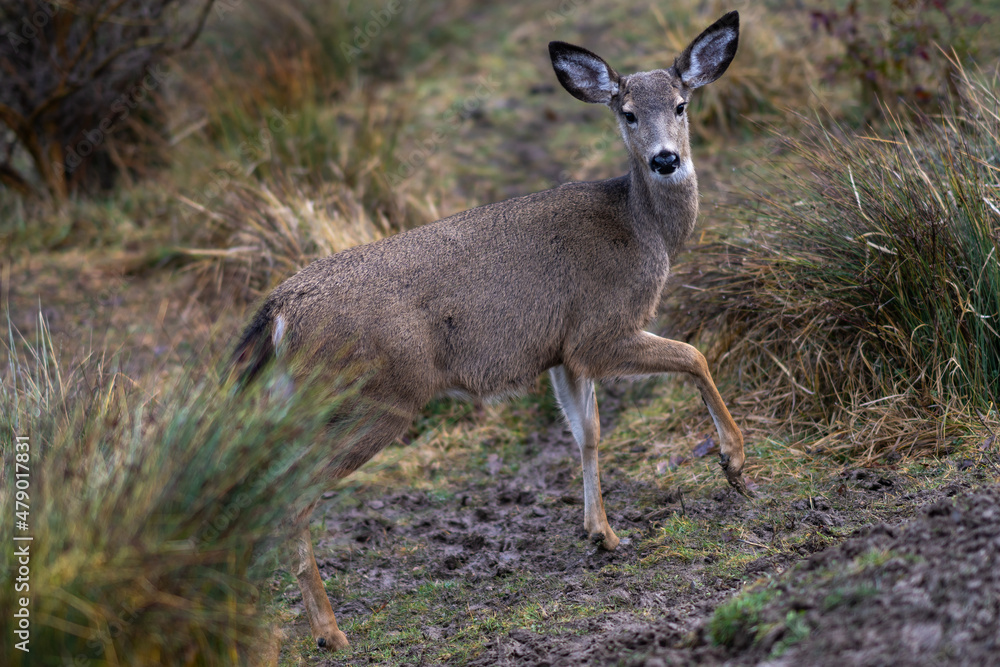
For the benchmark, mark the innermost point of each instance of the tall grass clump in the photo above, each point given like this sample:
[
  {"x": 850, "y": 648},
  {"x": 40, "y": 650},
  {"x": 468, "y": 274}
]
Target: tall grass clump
[
  {"x": 865, "y": 295},
  {"x": 156, "y": 521}
]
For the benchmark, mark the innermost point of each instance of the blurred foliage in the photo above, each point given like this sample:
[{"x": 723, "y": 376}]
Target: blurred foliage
[
  {"x": 157, "y": 520},
  {"x": 894, "y": 53},
  {"x": 76, "y": 77}
]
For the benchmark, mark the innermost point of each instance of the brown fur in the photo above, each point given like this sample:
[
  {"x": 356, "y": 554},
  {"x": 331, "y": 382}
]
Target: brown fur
[{"x": 482, "y": 302}]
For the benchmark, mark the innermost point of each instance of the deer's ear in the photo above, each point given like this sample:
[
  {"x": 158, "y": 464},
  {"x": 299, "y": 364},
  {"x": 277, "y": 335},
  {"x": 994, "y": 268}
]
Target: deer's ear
[
  {"x": 709, "y": 55},
  {"x": 584, "y": 74}
]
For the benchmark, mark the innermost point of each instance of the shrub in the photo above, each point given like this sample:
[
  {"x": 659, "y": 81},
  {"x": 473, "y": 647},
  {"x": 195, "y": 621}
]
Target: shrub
[
  {"x": 74, "y": 74},
  {"x": 891, "y": 51},
  {"x": 258, "y": 235},
  {"x": 155, "y": 522}
]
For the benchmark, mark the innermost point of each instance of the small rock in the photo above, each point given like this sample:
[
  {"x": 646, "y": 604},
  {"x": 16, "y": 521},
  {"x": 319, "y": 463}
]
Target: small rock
[{"x": 704, "y": 448}]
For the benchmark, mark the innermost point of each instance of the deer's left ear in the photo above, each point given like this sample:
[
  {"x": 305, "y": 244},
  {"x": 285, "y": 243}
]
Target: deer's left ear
[{"x": 709, "y": 55}]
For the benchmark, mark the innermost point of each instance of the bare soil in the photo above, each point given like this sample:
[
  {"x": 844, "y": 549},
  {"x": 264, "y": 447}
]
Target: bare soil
[
  {"x": 934, "y": 599},
  {"x": 515, "y": 540}
]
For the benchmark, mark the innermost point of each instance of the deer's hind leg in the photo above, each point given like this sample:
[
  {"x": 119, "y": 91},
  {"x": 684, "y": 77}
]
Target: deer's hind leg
[
  {"x": 322, "y": 621},
  {"x": 579, "y": 403}
]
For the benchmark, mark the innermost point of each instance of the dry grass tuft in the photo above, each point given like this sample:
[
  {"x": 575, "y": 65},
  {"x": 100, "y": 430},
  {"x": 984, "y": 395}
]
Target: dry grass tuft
[
  {"x": 774, "y": 70},
  {"x": 865, "y": 296},
  {"x": 268, "y": 232}
]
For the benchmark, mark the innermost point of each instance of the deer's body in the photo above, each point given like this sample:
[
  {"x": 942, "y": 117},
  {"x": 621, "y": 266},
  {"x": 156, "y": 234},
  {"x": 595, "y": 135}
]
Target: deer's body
[
  {"x": 480, "y": 303},
  {"x": 486, "y": 300}
]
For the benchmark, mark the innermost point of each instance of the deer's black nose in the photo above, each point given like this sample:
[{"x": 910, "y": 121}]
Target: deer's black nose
[{"x": 665, "y": 162}]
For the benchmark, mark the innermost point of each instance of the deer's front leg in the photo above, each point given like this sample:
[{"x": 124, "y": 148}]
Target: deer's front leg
[
  {"x": 579, "y": 404},
  {"x": 322, "y": 622},
  {"x": 646, "y": 354}
]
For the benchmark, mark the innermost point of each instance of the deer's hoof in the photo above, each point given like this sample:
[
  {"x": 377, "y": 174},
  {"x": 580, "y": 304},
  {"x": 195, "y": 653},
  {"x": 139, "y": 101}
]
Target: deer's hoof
[
  {"x": 734, "y": 475},
  {"x": 333, "y": 641},
  {"x": 605, "y": 539},
  {"x": 737, "y": 482}
]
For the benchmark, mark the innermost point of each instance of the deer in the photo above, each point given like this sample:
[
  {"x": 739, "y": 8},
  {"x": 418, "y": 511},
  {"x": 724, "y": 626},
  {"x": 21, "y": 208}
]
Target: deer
[{"x": 480, "y": 303}]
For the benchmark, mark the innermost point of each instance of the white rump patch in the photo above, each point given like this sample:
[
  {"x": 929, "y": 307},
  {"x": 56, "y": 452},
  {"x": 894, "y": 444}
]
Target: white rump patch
[{"x": 278, "y": 333}]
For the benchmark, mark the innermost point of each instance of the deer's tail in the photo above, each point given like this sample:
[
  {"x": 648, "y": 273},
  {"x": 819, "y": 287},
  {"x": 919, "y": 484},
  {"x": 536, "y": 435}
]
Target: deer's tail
[{"x": 255, "y": 350}]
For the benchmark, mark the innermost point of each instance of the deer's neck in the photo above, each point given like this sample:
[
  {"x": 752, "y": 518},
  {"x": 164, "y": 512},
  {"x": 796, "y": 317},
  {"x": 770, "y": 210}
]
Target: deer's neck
[{"x": 667, "y": 207}]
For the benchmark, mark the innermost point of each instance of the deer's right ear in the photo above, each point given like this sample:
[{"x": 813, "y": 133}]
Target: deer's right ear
[{"x": 584, "y": 74}]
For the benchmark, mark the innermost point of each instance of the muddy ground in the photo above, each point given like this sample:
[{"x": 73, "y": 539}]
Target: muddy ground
[
  {"x": 929, "y": 595},
  {"x": 511, "y": 545}
]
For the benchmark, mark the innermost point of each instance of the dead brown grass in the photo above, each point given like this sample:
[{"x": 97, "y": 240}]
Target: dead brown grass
[{"x": 858, "y": 300}]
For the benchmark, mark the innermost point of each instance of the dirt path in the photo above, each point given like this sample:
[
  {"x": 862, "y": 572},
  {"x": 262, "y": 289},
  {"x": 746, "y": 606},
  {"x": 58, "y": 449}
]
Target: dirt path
[{"x": 506, "y": 557}]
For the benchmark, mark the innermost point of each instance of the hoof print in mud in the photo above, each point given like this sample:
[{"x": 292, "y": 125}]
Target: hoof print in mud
[
  {"x": 868, "y": 480},
  {"x": 817, "y": 512}
]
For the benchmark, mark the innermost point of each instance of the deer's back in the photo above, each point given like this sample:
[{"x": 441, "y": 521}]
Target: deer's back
[{"x": 484, "y": 300}]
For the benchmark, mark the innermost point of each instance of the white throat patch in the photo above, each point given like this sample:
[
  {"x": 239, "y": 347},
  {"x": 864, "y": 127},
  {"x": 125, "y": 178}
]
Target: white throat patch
[{"x": 686, "y": 169}]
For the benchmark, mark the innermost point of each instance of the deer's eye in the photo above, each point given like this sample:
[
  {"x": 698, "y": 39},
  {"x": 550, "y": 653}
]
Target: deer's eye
[
  {"x": 681, "y": 107},
  {"x": 629, "y": 117}
]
